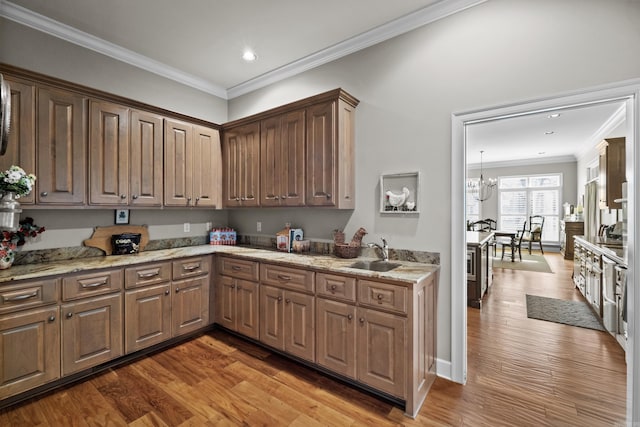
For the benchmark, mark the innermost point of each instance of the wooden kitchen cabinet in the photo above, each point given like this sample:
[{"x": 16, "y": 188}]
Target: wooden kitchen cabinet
[
  {"x": 125, "y": 156},
  {"x": 192, "y": 165},
  {"x": 237, "y": 296},
  {"x": 336, "y": 336},
  {"x": 282, "y": 165},
  {"x": 21, "y": 149},
  {"x": 330, "y": 154},
  {"x": 62, "y": 145},
  {"x": 568, "y": 229},
  {"x": 29, "y": 335},
  {"x": 612, "y": 172},
  {"x": 241, "y": 163},
  {"x": 190, "y": 305}
]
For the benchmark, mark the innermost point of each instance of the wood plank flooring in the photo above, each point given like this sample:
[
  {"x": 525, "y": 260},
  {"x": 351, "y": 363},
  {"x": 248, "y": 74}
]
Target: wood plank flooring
[{"x": 522, "y": 372}]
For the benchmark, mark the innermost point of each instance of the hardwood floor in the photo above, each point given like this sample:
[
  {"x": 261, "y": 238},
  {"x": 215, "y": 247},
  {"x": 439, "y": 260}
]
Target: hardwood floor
[{"x": 522, "y": 372}]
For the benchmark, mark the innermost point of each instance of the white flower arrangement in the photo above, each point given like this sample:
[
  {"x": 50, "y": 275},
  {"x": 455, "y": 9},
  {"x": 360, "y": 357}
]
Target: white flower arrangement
[{"x": 16, "y": 180}]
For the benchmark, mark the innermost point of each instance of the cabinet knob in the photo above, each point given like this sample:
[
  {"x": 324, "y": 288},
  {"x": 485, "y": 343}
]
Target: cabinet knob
[
  {"x": 361, "y": 320},
  {"x": 333, "y": 288},
  {"x": 44, "y": 194},
  {"x": 287, "y": 300},
  {"x": 188, "y": 199},
  {"x": 349, "y": 316},
  {"x": 328, "y": 195},
  {"x": 284, "y": 196},
  {"x": 380, "y": 296},
  {"x": 135, "y": 196},
  {"x": 69, "y": 315},
  {"x": 233, "y": 286},
  {"x": 166, "y": 292},
  {"x": 243, "y": 198},
  {"x": 123, "y": 196},
  {"x": 52, "y": 318},
  {"x": 177, "y": 290},
  {"x": 237, "y": 199},
  {"x": 276, "y": 198},
  {"x": 279, "y": 298},
  {"x": 197, "y": 199}
]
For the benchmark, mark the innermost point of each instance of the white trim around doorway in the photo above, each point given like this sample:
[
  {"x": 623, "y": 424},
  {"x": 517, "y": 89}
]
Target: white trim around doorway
[{"x": 626, "y": 90}]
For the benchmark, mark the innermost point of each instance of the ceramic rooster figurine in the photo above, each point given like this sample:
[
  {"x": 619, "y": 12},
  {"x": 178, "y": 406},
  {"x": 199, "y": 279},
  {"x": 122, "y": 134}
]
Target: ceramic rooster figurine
[{"x": 397, "y": 200}]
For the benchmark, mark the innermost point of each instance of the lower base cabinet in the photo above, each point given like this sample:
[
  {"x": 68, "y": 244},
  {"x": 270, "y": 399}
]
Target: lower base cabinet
[
  {"x": 237, "y": 305},
  {"x": 148, "y": 314}
]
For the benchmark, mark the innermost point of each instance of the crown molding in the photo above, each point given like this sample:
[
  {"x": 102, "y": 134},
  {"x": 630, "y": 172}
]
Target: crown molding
[
  {"x": 65, "y": 32},
  {"x": 604, "y": 131},
  {"x": 523, "y": 162},
  {"x": 379, "y": 34}
]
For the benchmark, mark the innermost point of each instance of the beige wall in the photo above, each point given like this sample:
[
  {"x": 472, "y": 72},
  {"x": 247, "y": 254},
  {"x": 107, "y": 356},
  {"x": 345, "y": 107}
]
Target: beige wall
[{"x": 497, "y": 53}]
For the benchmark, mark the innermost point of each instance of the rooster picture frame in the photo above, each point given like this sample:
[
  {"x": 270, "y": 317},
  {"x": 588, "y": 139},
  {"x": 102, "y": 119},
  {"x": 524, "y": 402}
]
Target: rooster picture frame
[{"x": 399, "y": 193}]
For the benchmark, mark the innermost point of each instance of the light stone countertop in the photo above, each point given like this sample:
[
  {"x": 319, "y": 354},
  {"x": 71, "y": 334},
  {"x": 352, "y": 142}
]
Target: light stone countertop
[{"x": 407, "y": 272}]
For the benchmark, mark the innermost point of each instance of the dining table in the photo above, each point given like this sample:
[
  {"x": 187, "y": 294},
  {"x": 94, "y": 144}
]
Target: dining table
[{"x": 511, "y": 235}]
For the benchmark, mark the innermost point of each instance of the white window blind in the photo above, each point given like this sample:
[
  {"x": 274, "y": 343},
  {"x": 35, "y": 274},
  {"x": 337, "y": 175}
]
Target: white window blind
[{"x": 522, "y": 196}]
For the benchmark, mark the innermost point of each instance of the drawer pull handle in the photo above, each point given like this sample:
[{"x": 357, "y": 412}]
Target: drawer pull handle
[
  {"x": 236, "y": 268},
  {"x": 283, "y": 277},
  {"x": 191, "y": 267},
  {"x": 143, "y": 275},
  {"x": 23, "y": 297},
  {"x": 94, "y": 285}
]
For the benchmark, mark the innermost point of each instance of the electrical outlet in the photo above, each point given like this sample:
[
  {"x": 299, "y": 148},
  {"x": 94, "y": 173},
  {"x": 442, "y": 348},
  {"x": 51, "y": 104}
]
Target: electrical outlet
[
  {"x": 187, "y": 227},
  {"x": 259, "y": 226}
]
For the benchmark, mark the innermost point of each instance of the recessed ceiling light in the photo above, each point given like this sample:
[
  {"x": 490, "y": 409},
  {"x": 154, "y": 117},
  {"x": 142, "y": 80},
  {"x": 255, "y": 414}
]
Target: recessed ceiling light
[
  {"x": 249, "y": 56},
  {"x": 549, "y": 132},
  {"x": 554, "y": 116}
]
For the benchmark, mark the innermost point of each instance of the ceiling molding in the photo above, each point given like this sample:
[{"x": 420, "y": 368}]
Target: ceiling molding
[
  {"x": 384, "y": 32},
  {"x": 604, "y": 131},
  {"x": 379, "y": 34},
  {"x": 523, "y": 162},
  {"x": 65, "y": 32}
]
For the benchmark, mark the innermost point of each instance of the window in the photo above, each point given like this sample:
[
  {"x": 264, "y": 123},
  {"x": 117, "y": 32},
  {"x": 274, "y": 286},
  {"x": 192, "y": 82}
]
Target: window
[
  {"x": 473, "y": 204},
  {"x": 522, "y": 196}
]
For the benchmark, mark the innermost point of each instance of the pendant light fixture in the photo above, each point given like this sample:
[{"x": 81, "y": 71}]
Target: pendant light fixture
[{"x": 482, "y": 190}]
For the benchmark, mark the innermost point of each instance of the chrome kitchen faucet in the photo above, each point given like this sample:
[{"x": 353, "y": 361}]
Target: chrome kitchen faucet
[{"x": 384, "y": 249}]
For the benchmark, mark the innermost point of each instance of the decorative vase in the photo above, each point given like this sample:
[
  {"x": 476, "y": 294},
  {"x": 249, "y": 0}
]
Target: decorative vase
[
  {"x": 10, "y": 211},
  {"x": 7, "y": 256}
]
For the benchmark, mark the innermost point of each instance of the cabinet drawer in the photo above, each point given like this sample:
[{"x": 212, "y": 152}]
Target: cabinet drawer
[
  {"x": 286, "y": 277},
  {"x": 28, "y": 294},
  {"x": 340, "y": 287},
  {"x": 149, "y": 274},
  {"x": 382, "y": 295},
  {"x": 189, "y": 267},
  {"x": 239, "y": 268},
  {"x": 89, "y": 284}
]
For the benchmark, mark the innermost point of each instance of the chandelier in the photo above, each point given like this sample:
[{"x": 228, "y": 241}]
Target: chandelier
[{"x": 482, "y": 190}]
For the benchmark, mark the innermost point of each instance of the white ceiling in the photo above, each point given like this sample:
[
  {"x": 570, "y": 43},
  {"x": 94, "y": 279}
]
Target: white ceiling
[{"x": 200, "y": 43}]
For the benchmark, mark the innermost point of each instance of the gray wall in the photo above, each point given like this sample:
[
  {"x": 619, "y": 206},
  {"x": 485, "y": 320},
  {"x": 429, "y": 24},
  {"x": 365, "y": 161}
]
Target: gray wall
[{"x": 497, "y": 53}]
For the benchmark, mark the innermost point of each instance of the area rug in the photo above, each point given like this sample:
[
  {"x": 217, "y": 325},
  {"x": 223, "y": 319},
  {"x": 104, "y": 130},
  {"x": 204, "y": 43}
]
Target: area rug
[
  {"x": 574, "y": 313},
  {"x": 534, "y": 262}
]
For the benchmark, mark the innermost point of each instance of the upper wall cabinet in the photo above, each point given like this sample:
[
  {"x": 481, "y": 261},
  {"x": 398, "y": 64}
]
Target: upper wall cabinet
[
  {"x": 241, "y": 164},
  {"x": 282, "y": 149},
  {"x": 125, "y": 156},
  {"x": 62, "y": 142},
  {"x": 305, "y": 158},
  {"x": 612, "y": 172},
  {"x": 193, "y": 171},
  {"x": 21, "y": 149}
]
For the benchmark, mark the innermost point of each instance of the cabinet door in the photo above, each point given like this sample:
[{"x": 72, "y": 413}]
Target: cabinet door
[
  {"x": 282, "y": 160},
  {"x": 336, "y": 336},
  {"x": 207, "y": 168},
  {"x": 147, "y": 316},
  {"x": 108, "y": 154},
  {"x": 21, "y": 149},
  {"x": 321, "y": 153},
  {"x": 29, "y": 349},
  {"x": 225, "y": 298},
  {"x": 145, "y": 159},
  {"x": 91, "y": 332},
  {"x": 247, "y": 308},
  {"x": 62, "y": 141},
  {"x": 382, "y": 351},
  {"x": 241, "y": 162},
  {"x": 299, "y": 325},
  {"x": 190, "y": 305},
  {"x": 271, "y": 316},
  {"x": 178, "y": 176}
]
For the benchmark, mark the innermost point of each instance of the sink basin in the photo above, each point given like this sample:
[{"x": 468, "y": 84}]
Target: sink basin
[{"x": 377, "y": 265}]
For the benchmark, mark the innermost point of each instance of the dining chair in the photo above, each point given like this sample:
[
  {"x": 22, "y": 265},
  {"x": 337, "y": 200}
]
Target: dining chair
[
  {"x": 534, "y": 232},
  {"x": 514, "y": 244}
]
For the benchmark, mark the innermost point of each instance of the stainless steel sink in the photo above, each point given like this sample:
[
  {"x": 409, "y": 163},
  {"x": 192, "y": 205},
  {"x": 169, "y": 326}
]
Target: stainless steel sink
[{"x": 377, "y": 265}]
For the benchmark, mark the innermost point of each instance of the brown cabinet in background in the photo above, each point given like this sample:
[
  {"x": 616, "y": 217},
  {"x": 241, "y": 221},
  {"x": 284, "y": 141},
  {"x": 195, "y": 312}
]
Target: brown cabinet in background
[
  {"x": 612, "y": 172},
  {"x": 237, "y": 296},
  {"x": 145, "y": 159},
  {"x": 568, "y": 229},
  {"x": 241, "y": 163},
  {"x": 62, "y": 145}
]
